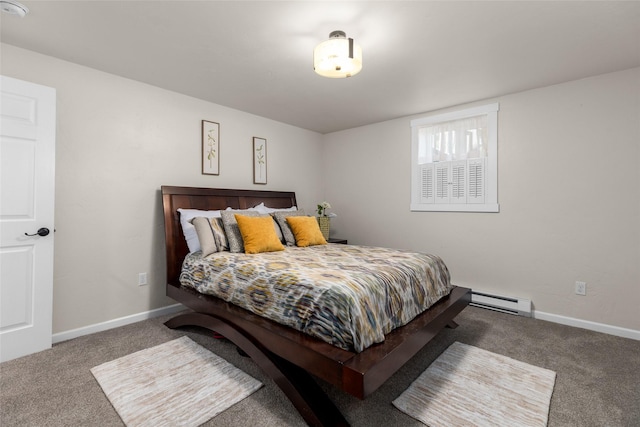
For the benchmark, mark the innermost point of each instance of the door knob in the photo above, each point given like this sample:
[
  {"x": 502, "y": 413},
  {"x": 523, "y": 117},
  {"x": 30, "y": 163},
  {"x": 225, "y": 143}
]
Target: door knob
[{"x": 41, "y": 232}]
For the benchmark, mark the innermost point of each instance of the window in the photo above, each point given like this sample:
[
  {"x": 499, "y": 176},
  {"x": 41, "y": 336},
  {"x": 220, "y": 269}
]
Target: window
[{"x": 454, "y": 161}]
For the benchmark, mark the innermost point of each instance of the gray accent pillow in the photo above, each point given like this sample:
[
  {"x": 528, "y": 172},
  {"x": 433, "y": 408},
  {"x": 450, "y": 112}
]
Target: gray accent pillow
[
  {"x": 280, "y": 217},
  {"x": 236, "y": 245},
  {"x": 277, "y": 227}
]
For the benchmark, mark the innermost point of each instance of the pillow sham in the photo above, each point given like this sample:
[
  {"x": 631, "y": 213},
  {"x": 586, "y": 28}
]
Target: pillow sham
[
  {"x": 265, "y": 209},
  {"x": 277, "y": 229},
  {"x": 306, "y": 230},
  {"x": 205, "y": 235},
  {"x": 188, "y": 229},
  {"x": 231, "y": 228},
  {"x": 211, "y": 235},
  {"x": 258, "y": 234},
  {"x": 219, "y": 235},
  {"x": 280, "y": 217}
]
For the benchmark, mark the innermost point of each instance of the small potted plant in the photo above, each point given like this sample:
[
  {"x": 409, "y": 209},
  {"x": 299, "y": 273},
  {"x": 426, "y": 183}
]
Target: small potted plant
[{"x": 323, "y": 218}]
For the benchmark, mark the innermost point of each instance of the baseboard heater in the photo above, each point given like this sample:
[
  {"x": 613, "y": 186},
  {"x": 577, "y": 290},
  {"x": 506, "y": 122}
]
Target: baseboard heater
[{"x": 516, "y": 306}]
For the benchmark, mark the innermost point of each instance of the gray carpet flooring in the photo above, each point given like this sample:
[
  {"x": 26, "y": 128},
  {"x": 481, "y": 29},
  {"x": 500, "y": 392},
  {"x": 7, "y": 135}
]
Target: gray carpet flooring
[{"x": 597, "y": 384}]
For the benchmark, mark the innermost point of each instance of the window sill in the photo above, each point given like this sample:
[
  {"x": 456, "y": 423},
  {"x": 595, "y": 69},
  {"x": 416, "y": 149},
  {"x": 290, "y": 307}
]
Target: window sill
[{"x": 455, "y": 208}]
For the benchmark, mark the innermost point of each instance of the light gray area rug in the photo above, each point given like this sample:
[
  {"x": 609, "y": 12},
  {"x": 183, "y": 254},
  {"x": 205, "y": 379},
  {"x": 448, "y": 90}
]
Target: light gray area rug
[
  {"x": 178, "y": 383},
  {"x": 468, "y": 386}
]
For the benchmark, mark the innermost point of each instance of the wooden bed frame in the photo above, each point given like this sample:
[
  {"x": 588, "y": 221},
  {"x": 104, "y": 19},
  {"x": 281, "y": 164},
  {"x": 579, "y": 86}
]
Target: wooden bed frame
[{"x": 290, "y": 357}]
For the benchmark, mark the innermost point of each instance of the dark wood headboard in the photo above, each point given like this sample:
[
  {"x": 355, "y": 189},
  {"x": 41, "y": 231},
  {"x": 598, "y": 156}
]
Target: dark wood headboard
[{"x": 207, "y": 199}]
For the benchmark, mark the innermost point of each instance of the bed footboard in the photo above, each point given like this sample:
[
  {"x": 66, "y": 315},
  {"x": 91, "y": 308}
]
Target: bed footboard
[
  {"x": 308, "y": 398},
  {"x": 292, "y": 358}
]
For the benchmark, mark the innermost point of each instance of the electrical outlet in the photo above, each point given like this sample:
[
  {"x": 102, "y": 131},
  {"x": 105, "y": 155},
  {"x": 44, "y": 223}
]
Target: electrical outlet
[
  {"x": 142, "y": 279},
  {"x": 581, "y": 288}
]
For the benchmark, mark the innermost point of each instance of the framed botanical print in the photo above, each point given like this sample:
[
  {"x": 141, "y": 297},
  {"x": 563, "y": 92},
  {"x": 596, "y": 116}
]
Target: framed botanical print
[
  {"x": 210, "y": 148},
  {"x": 259, "y": 160}
]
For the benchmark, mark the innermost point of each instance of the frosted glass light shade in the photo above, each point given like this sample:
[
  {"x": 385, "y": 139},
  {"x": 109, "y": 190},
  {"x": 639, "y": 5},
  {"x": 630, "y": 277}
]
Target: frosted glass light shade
[
  {"x": 338, "y": 57},
  {"x": 14, "y": 8}
]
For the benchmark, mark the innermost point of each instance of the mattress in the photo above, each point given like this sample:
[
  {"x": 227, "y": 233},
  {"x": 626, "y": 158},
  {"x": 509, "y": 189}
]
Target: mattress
[{"x": 349, "y": 296}]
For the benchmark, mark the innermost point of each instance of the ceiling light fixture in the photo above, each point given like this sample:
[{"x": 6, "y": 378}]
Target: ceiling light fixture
[
  {"x": 337, "y": 57},
  {"x": 14, "y": 8}
]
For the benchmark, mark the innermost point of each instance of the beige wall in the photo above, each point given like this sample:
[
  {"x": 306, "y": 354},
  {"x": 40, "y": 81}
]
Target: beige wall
[
  {"x": 569, "y": 194},
  {"x": 569, "y": 190},
  {"x": 118, "y": 141}
]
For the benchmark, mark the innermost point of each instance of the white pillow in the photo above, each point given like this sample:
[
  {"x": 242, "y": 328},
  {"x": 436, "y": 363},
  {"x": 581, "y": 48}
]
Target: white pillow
[
  {"x": 189, "y": 231},
  {"x": 267, "y": 210},
  {"x": 229, "y": 208}
]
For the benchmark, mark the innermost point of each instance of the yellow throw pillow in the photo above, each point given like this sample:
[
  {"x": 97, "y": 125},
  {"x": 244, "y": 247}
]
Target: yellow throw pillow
[
  {"x": 306, "y": 230},
  {"x": 258, "y": 234}
]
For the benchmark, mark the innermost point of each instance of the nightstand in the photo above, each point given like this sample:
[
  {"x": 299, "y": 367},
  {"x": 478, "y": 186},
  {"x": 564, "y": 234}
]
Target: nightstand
[{"x": 334, "y": 240}]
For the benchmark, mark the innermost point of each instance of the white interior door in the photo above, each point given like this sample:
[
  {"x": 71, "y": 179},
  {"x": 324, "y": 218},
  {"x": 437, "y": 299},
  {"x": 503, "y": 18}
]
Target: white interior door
[{"x": 27, "y": 162}]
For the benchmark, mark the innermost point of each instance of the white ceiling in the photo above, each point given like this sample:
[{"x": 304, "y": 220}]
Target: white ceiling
[{"x": 257, "y": 56}]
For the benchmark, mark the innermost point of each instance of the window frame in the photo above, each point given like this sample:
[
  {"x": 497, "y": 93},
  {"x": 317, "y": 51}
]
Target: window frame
[{"x": 490, "y": 203}]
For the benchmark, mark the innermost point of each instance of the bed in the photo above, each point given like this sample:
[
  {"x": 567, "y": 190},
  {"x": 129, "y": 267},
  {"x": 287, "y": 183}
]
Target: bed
[{"x": 290, "y": 357}]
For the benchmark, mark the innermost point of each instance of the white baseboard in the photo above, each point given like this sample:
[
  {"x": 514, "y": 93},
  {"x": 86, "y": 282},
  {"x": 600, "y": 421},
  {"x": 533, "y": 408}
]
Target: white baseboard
[
  {"x": 586, "y": 324},
  {"x": 127, "y": 320},
  {"x": 115, "y": 323}
]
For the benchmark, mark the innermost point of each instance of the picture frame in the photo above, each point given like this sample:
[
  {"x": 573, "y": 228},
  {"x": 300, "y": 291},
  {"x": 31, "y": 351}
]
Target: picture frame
[
  {"x": 210, "y": 148},
  {"x": 259, "y": 160}
]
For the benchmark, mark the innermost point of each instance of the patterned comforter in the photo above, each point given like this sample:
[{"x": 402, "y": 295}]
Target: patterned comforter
[{"x": 349, "y": 296}]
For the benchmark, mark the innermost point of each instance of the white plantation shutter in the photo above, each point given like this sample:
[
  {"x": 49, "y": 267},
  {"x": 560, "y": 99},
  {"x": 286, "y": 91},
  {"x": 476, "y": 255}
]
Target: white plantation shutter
[
  {"x": 476, "y": 180},
  {"x": 426, "y": 183},
  {"x": 442, "y": 182},
  {"x": 458, "y": 182}
]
